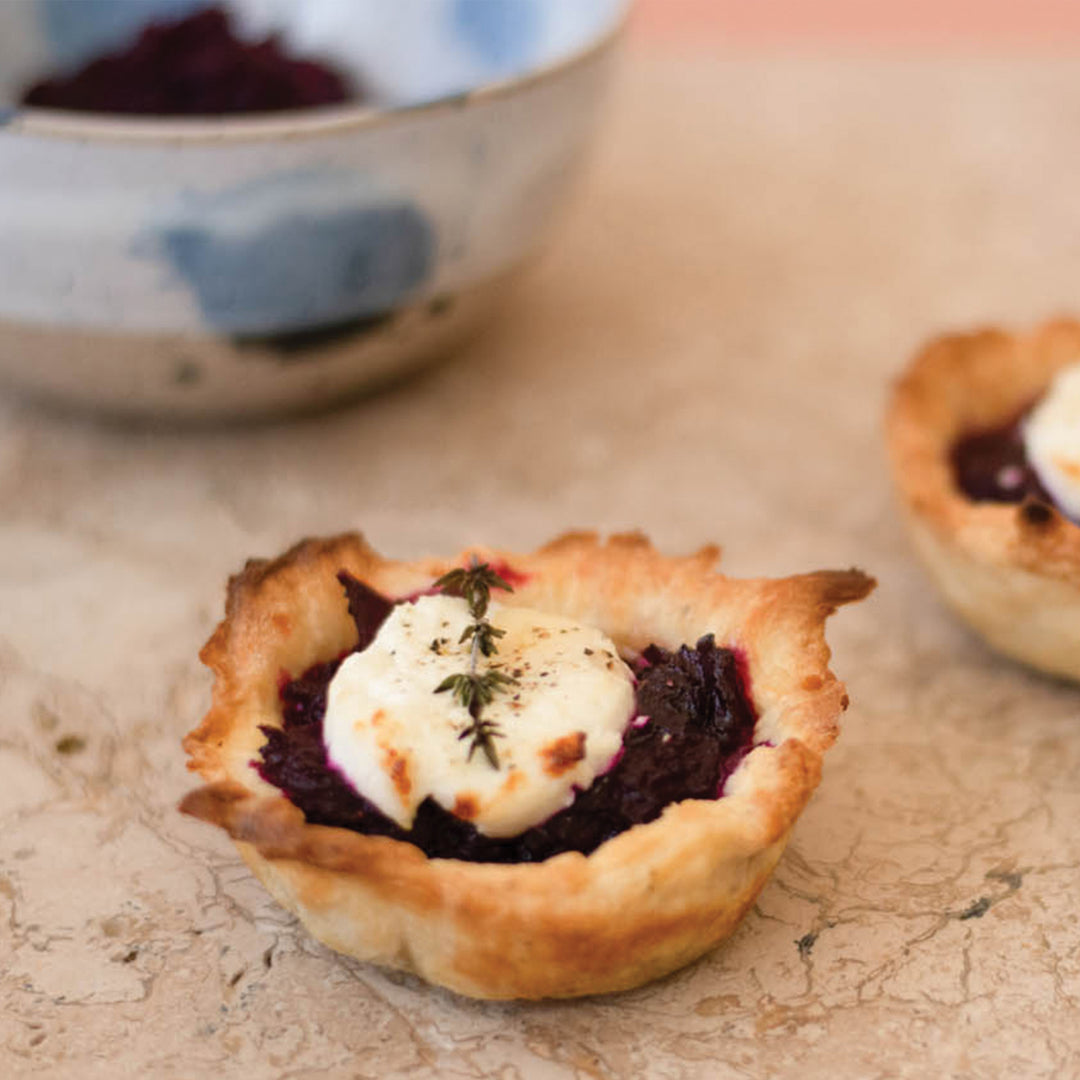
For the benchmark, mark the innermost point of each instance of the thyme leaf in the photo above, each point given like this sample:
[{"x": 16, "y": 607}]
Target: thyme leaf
[
  {"x": 483, "y": 733},
  {"x": 474, "y": 584}
]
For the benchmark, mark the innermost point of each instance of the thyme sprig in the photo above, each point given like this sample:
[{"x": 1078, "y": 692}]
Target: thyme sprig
[{"x": 471, "y": 689}]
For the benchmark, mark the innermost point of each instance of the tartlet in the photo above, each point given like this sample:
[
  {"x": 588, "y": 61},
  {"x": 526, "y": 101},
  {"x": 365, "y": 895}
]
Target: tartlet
[
  {"x": 1011, "y": 570},
  {"x": 642, "y": 904}
]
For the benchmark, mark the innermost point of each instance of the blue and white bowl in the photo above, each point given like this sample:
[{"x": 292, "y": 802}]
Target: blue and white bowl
[{"x": 250, "y": 265}]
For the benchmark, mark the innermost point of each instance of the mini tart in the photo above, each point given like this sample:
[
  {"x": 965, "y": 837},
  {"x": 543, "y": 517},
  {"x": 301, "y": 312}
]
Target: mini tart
[
  {"x": 1012, "y": 570},
  {"x": 642, "y": 904}
]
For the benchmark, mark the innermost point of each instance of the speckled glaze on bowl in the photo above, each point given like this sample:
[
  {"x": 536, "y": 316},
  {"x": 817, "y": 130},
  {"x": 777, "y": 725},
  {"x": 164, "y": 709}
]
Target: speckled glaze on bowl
[{"x": 254, "y": 265}]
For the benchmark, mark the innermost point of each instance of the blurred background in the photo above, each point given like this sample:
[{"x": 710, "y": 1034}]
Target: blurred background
[{"x": 968, "y": 25}]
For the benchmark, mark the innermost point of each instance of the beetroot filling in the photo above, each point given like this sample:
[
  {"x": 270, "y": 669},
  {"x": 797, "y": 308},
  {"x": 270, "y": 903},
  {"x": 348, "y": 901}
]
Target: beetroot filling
[
  {"x": 194, "y": 66},
  {"x": 700, "y": 726},
  {"x": 992, "y": 466}
]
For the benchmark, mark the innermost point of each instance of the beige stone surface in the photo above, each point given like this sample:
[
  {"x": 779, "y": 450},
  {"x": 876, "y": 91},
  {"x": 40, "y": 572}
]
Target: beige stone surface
[{"x": 703, "y": 353}]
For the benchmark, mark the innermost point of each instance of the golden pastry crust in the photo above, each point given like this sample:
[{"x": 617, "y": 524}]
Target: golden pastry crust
[
  {"x": 1011, "y": 570},
  {"x": 645, "y": 902}
]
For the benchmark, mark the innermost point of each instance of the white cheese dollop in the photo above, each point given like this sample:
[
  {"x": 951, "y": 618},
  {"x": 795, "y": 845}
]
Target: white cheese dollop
[
  {"x": 397, "y": 741},
  {"x": 1052, "y": 440}
]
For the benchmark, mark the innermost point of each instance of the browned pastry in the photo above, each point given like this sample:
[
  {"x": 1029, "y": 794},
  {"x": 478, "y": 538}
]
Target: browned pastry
[
  {"x": 1011, "y": 570},
  {"x": 643, "y": 903}
]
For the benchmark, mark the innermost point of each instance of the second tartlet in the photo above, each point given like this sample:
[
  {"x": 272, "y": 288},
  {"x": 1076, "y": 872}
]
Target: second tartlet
[{"x": 1011, "y": 569}]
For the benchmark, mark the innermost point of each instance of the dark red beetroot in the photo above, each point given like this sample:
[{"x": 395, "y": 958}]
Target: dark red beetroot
[
  {"x": 701, "y": 725},
  {"x": 195, "y": 66},
  {"x": 992, "y": 466}
]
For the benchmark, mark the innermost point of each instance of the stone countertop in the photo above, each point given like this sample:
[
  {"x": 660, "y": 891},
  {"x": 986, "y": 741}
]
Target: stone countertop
[{"x": 703, "y": 353}]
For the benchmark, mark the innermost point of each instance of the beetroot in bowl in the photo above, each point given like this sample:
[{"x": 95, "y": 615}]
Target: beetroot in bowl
[{"x": 193, "y": 65}]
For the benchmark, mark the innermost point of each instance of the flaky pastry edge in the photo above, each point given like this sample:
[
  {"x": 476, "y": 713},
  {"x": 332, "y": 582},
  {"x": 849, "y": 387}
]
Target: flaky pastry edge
[
  {"x": 642, "y": 904},
  {"x": 1012, "y": 570}
]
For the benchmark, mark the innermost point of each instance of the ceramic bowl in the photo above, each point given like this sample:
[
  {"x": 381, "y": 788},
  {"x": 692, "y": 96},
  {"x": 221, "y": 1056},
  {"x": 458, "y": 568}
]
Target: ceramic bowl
[{"x": 259, "y": 264}]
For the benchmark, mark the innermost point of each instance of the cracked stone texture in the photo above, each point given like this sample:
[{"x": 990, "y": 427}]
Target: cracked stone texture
[{"x": 704, "y": 353}]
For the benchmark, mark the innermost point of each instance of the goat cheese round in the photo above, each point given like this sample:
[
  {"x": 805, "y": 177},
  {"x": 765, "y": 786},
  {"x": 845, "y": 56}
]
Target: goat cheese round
[
  {"x": 1052, "y": 440},
  {"x": 397, "y": 741}
]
